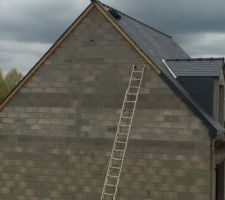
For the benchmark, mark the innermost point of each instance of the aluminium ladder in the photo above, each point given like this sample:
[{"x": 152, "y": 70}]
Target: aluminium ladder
[{"x": 122, "y": 135}]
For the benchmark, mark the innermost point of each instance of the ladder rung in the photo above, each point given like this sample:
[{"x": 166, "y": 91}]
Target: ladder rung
[
  {"x": 132, "y": 94},
  {"x": 124, "y": 125},
  {"x": 110, "y": 176},
  {"x": 134, "y": 87},
  {"x": 122, "y": 133},
  {"x": 108, "y": 194},
  {"x": 130, "y": 101},
  {"x": 137, "y": 71},
  {"x": 119, "y": 150},
  {"x": 110, "y": 185},
  {"x": 119, "y": 159},
  {"x": 136, "y": 79},
  {"x": 120, "y": 142},
  {"x": 114, "y": 167},
  {"x": 126, "y": 117}
]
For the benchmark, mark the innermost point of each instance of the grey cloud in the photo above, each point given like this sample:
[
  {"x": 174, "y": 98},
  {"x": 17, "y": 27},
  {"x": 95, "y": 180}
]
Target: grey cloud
[
  {"x": 186, "y": 20},
  {"x": 22, "y": 55},
  {"x": 204, "y": 44},
  {"x": 44, "y": 21},
  {"x": 32, "y": 26},
  {"x": 178, "y": 16},
  {"x": 28, "y": 28},
  {"x": 39, "y": 21}
]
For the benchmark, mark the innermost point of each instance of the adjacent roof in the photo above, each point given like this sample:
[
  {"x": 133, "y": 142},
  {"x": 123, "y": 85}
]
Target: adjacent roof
[{"x": 210, "y": 67}]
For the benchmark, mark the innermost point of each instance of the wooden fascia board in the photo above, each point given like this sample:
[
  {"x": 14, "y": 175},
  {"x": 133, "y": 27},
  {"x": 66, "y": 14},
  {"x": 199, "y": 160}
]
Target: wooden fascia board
[
  {"x": 128, "y": 38},
  {"x": 46, "y": 56}
]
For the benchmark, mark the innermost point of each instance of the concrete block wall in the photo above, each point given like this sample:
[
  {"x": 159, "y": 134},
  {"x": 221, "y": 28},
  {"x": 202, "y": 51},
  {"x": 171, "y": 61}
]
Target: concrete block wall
[{"x": 56, "y": 134}]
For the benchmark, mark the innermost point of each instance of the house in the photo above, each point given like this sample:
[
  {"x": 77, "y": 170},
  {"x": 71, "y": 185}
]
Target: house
[{"x": 58, "y": 125}]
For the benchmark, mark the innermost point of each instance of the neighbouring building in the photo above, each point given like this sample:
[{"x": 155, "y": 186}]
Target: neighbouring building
[{"x": 57, "y": 126}]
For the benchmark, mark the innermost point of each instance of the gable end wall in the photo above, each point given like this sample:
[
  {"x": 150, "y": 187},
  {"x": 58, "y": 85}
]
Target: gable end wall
[{"x": 56, "y": 134}]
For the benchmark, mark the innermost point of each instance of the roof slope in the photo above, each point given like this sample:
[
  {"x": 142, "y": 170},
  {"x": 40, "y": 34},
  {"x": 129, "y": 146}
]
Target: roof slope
[
  {"x": 196, "y": 67},
  {"x": 155, "y": 44},
  {"x": 159, "y": 46}
]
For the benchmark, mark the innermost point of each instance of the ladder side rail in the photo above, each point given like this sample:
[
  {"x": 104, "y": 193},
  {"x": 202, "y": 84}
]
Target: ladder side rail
[
  {"x": 118, "y": 127},
  {"x": 120, "y": 170},
  {"x": 114, "y": 198},
  {"x": 116, "y": 140},
  {"x": 111, "y": 156},
  {"x": 131, "y": 77}
]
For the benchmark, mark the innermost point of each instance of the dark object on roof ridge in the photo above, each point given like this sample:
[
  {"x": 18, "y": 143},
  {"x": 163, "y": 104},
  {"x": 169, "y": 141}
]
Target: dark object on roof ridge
[
  {"x": 196, "y": 59},
  {"x": 115, "y": 14},
  {"x": 95, "y": 1},
  {"x": 109, "y": 7}
]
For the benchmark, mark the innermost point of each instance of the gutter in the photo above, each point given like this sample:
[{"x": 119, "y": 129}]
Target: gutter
[
  {"x": 219, "y": 136},
  {"x": 212, "y": 166}
]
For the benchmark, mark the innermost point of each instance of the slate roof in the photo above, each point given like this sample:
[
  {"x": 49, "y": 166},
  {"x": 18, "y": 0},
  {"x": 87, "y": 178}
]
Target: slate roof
[
  {"x": 155, "y": 43},
  {"x": 210, "y": 67},
  {"x": 159, "y": 46}
]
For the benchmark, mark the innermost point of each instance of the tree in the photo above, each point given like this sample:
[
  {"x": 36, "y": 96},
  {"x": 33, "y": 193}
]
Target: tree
[
  {"x": 3, "y": 87},
  {"x": 8, "y": 82},
  {"x": 12, "y": 78}
]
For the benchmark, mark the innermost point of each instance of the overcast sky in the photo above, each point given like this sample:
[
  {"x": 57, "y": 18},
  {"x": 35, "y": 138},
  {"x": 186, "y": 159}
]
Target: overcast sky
[{"x": 29, "y": 27}]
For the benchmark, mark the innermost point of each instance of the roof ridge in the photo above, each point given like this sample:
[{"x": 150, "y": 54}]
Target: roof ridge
[
  {"x": 197, "y": 59},
  {"x": 150, "y": 27}
]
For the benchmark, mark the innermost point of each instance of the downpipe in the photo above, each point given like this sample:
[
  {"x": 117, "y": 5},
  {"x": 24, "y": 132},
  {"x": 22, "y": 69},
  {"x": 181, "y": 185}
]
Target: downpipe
[
  {"x": 218, "y": 137},
  {"x": 212, "y": 167}
]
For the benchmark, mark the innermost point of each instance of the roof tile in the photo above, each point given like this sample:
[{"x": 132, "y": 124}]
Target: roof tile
[{"x": 210, "y": 67}]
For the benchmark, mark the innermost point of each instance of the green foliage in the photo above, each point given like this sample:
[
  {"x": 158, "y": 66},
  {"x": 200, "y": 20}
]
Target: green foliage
[
  {"x": 8, "y": 82},
  {"x": 3, "y": 87},
  {"x": 12, "y": 78}
]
